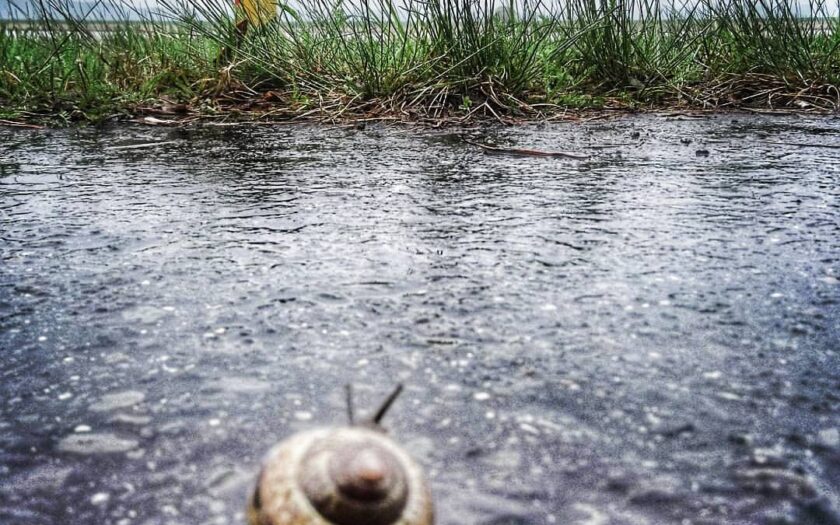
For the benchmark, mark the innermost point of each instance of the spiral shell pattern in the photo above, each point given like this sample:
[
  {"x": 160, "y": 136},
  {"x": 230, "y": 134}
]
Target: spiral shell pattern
[{"x": 340, "y": 476}]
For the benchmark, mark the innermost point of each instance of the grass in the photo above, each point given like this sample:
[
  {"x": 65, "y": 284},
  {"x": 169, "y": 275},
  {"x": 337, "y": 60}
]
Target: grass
[{"x": 416, "y": 59}]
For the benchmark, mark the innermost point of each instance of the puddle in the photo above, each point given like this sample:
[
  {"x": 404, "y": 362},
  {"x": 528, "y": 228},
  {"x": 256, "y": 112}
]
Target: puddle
[{"x": 649, "y": 335}]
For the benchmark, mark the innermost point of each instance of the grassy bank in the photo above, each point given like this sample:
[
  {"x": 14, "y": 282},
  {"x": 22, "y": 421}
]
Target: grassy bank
[{"x": 413, "y": 59}]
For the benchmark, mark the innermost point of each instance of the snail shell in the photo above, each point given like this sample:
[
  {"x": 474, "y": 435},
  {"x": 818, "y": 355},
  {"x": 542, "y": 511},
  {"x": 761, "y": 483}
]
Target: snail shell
[{"x": 340, "y": 476}]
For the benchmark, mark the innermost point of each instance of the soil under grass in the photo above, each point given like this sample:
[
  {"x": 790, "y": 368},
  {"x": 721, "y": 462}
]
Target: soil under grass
[{"x": 408, "y": 60}]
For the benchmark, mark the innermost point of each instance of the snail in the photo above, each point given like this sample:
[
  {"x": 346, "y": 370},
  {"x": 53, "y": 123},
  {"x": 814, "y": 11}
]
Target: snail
[{"x": 349, "y": 475}]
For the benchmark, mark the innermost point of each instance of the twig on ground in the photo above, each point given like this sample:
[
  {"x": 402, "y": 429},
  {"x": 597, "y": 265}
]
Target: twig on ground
[
  {"x": 152, "y": 121},
  {"x": 804, "y": 145},
  {"x": 142, "y": 146},
  {"x": 526, "y": 152},
  {"x": 16, "y": 124}
]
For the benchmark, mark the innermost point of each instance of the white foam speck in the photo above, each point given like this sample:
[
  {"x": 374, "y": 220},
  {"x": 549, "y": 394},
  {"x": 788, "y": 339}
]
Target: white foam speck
[
  {"x": 116, "y": 400},
  {"x": 100, "y": 498},
  {"x": 90, "y": 444},
  {"x": 529, "y": 428},
  {"x": 829, "y": 437},
  {"x": 303, "y": 415}
]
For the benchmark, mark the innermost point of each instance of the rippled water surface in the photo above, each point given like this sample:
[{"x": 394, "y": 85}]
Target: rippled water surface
[{"x": 647, "y": 336}]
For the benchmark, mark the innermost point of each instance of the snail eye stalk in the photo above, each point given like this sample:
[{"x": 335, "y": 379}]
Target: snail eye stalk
[
  {"x": 387, "y": 405},
  {"x": 348, "y": 391}
]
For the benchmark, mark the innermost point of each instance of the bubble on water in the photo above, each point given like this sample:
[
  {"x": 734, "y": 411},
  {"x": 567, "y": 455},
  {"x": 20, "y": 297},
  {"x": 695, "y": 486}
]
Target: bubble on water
[
  {"x": 591, "y": 515},
  {"x": 87, "y": 444},
  {"x": 529, "y": 428},
  {"x": 82, "y": 429},
  {"x": 117, "y": 400},
  {"x": 729, "y": 396},
  {"x": 241, "y": 385},
  {"x": 829, "y": 437},
  {"x": 481, "y": 396},
  {"x": 47, "y": 478},
  {"x": 775, "y": 482},
  {"x": 100, "y": 498},
  {"x": 144, "y": 314},
  {"x": 131, "y": 419}
]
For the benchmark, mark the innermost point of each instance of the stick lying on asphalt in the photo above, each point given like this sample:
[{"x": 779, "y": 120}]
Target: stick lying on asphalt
[
  {"x": 16, "y": 124},
  {"x": 805, "y": 145},
  {"x": 525, "y": 152},
  {"x": 141, "y": 146}
]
